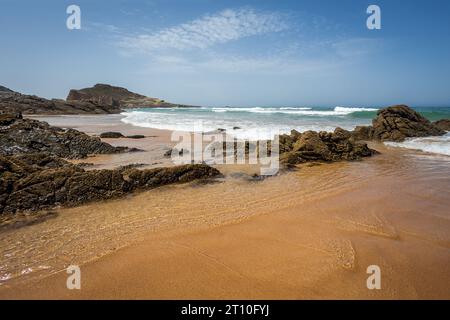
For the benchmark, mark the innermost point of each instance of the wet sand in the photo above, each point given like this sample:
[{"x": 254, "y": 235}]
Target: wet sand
[{"x": 306, "y": 234}]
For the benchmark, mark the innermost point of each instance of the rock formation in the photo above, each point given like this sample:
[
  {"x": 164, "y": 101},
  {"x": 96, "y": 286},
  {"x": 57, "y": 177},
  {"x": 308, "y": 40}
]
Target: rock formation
[
  {"x": 108, "y": 95},
  {"x": 299, "y": 147},
  {"x": 18, "y": 135},
  {"x": 443, "y": 124},
  {"x": 41, "y": 181},
  {"x": 397, "y": 123},
  {"x": 100, "y": 99},
  {"x": 11, "y": 102},
  {"x": 111, "y": 135}
]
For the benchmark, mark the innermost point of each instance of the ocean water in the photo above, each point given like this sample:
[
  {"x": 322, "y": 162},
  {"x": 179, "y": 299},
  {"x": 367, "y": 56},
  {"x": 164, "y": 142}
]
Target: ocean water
[{"x": 263, "y": 122}]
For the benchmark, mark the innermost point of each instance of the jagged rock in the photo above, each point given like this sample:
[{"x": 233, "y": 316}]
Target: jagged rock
[
  {"x": 169, "y": 152},
  {"x": 8, "y": 118},
  {"x": 397, "y": 123},
  {"x": 25, "y": 186},
  {"x": 100, "y": 99},
  {"x": 105, "y": 94},
  {"x": 321, "y": 146},
  {"x": 13, "y": 102},
  {"x": 18, "y": 135},
  {"x": 363, "y": 133},
  {"x": 111, "y": 135},
  {"x": 443, "y": 124},
  {"x": 5, "y": 90}
]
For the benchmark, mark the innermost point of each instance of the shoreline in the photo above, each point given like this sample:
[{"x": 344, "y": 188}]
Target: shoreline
[{"x": 304, "y": 234}]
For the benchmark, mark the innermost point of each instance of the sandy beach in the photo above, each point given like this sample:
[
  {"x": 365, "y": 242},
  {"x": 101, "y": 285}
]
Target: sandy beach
[{"x": 304, "y": 234}]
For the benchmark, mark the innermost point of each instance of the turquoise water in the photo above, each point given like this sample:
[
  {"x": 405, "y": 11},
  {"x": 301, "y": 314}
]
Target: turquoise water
[{"x": 262, "y": 122}]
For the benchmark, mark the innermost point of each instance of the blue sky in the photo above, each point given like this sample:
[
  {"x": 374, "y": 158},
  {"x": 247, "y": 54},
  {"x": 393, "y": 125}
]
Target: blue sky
[{"x": 240, "y": 53}]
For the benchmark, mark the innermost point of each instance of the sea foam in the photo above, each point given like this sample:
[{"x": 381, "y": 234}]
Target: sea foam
[{"x": 438, "y": 145}]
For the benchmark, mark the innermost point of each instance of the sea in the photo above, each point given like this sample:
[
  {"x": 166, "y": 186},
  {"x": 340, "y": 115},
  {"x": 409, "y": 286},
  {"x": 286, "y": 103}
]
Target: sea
[{"x": 253, "y": 123}]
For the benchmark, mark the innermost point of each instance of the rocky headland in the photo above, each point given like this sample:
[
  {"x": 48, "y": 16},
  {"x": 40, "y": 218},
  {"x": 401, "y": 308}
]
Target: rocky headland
[
  {"x": 105, "y": 94},
  {"x": 99, "y": 99}
]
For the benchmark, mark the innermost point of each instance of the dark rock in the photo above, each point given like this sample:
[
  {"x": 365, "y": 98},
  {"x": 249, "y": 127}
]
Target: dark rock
[
  {"x": 5, "y": 90},
  {"x": 397, "y": 123},
  {"x": 14, "y": 102},
  {"x": 131, "y": 149},
  {"x": 363, "y": 133},
  {"x": 18, "y": 135},
  {"x": 117, "y": 97},
  {"x": 169, "y": 152},
  {"x": 443, "y": 124},
  {"x": 85, "y": 164},
  {"x": 100, "y": 99},
  {"x": 111, "y": 135},
  {"x": 8, "y": 118},
  {"x": 314, "y": 146},
  {"x": 132, "y": 166},
  {"x": 136, "y": 136},
  {"x": 237, "y": 128},
  {"x": 33, "y": 187}
]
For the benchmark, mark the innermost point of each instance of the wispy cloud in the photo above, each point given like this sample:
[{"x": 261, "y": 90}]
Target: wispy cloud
[{"x": 210, "y": 30}]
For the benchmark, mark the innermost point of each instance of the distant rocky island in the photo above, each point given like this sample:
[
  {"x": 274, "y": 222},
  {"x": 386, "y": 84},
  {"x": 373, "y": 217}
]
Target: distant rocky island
[{"x": 99, "y": 99}]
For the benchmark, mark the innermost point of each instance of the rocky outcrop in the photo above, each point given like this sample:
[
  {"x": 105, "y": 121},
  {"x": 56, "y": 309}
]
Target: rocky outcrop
[
  {"x": 100, "y": 99},
  {"x": 363, "y": 133},
  {"x": 309, "y": 146},
  {"x": 5, "y": 90},
  {"x": 41, "y": 181},
  {"x": 18, "y": 135},
  {"x": 443, "y": 124},
  {"x": 11, "y": 102},
  {"x": 117, "y": 135},
  {"x": 106, "y": 94},
  {"x": 111, "y": 135},
  {"x": 397, "y": 123}
]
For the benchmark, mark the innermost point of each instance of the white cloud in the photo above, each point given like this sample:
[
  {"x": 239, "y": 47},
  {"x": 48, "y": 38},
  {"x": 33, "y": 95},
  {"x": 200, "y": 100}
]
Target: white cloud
[
  {"x": 210, "y": 30},
  {"x": 278, "y": 64}
]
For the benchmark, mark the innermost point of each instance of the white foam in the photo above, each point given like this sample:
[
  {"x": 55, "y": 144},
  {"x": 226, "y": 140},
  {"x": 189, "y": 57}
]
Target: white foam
[
  {"x": 250, "y": 129},
  {"x": 259, "y": 109},
  {"x": 438, "y": 145},
  {"x": 338, "y": 111},
  {"x": 351, "y": 110}
]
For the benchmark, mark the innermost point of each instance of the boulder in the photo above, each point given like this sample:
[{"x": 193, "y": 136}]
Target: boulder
[
  {"x": 111, "y": 135},
  {"x": 312, "y": 146},
  {"x": 399, "y": 122},
  {"x": 18, "y": 135},
  {"x": 443, "y": 124},
  {"x": 363, "y": 133}
]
